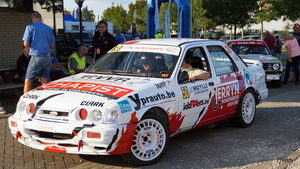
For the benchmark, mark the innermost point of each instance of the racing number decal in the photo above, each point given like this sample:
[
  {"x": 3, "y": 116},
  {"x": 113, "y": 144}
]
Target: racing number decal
[
  {"x": 117, "y": 48},
  {"x": 185, "y": 92}
]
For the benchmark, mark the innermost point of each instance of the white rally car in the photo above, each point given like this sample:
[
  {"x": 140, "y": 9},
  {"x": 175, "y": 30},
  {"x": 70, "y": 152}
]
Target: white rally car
[{"x": 115, "y": 107}]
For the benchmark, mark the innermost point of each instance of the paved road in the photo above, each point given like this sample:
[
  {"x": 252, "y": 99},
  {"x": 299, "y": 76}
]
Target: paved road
[{"x": 271, "y": 141}]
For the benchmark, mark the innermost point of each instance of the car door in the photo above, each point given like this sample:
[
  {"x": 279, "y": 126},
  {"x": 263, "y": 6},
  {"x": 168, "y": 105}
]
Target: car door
[
  {"x": 229, "y": 82},
  {"x": 196, "y": 96}
]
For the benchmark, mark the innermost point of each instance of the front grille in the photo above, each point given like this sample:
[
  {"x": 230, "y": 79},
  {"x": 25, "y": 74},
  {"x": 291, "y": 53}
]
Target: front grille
[
  {"x": 267, "y": 66},
  {"x": 57, "y": 113},
  {"x": 43, "y": 134}
]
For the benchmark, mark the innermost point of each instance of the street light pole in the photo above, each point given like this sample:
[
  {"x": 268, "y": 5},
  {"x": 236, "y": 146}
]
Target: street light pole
[{"x": 79, "y": 3}]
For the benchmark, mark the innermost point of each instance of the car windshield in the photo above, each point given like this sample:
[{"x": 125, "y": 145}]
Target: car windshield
[
  {"x": 143, "y": 64},
  {"x": 250, "y": 49}
]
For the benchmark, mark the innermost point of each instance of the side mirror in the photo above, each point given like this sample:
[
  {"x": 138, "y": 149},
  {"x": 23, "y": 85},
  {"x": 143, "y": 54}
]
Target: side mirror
[{"x": 183, "y": 77}]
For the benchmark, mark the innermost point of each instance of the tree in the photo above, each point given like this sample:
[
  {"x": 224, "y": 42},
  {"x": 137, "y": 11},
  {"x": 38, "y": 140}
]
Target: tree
[
  {"x": 117, "y": 15},
  {"x": 137, "y": 14},
  {"x": 199, "y": 21},
  {"x": 231, "y": 13}
]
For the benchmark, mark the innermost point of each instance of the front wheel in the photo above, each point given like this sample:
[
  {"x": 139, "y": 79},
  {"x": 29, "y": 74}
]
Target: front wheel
[
  {"x": 150, "y": 141},
  {"x": 276, "y": 83},
  {"x": 246, "y": 110}
]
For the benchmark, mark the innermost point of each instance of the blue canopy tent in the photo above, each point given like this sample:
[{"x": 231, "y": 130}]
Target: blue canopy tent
[{"x": 69, "y": 18}]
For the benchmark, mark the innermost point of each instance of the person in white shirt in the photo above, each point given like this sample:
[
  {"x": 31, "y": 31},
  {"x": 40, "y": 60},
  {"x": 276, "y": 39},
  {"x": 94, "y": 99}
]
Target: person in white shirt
[{"x": 194, "y": 74}]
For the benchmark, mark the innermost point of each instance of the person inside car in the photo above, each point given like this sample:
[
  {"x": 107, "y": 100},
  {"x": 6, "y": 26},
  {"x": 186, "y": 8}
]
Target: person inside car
[
  {"x": 148, "y": 63},
  {"x": 194, "y": 74}
]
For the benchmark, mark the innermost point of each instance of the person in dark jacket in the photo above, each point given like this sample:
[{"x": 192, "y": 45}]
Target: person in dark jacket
[
  {"x": 22, "y": 62},
  {"x": 103, "y": 41}
]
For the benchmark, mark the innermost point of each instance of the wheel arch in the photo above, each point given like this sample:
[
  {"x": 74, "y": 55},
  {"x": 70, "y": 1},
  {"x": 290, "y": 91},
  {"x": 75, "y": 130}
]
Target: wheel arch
[
  {"x": 256, "y": 93},
  {"x": 160, "y": 112}
]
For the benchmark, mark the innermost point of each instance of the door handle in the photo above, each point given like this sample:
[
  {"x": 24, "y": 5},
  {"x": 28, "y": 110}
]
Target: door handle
[{"x": 211, "y": 83}]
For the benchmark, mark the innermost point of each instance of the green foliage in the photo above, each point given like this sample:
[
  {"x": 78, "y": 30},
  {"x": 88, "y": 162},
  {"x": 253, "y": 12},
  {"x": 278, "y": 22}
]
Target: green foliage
[
  {"x": 117, "y": 15},
  {"x": 206, "y": 14}
]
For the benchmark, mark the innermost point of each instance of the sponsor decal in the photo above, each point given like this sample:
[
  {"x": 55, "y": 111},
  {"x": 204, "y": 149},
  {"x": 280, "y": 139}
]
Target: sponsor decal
[
  {"x": 228, "y": 49},
  {"x": 185, "y": 92},
  {"x": 92, "y": 103},
  {"x": 160, "y": 85},
  {"x": 246, "y": 43},
  {"x": 53, "y": 113},
  {"x": 124, "y": 106},
  {"x": 174, "y": 50},
  {"x": 194, "y": 103},
  {"x": 226, "y": 94},
  {"x": 248, "y": 77},
  {"x": 198, "y": 89},
  {"x": 31, "y": 96},
  {"x": 95, "y": 78},
  {"x": 89, "y": 88},
  {"x": 117, "y": 48},
  {"x": 150, "y": 99}
]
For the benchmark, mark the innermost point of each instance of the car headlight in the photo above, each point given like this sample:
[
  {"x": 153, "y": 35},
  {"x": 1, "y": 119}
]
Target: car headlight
[
  {"x": 111, "y": 116},
  {"x": 97, "y": 115},
  {"x": 276, "y": 66},
  {"x": 22, "y": 106}
]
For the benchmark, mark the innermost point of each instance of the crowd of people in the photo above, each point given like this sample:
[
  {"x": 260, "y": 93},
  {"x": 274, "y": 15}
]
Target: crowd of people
[{"x": 292, "y": 46}]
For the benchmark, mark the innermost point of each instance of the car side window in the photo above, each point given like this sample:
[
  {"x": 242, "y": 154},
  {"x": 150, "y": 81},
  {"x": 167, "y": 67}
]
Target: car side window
[
  {"x": 200, "y": 59},
  {"x": 221, "y": 60}
]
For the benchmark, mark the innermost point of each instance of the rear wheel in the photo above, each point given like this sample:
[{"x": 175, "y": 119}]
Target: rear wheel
[
  {"x": 150, "y": 141},
  {"x": 246, "y": 110}
]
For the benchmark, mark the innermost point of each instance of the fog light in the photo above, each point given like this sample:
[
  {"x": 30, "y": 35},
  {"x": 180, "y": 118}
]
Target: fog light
[
  {"x": 13, "y": 124},
  {"x": 93, "y": 135}
]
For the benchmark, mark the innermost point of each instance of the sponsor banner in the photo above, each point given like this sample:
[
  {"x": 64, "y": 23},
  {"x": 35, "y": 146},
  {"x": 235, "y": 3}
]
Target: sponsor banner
[
  {"x": 246, "y": 43},
  {"x": 147, "y": 48},
  {"x": 93, "y": 88}
]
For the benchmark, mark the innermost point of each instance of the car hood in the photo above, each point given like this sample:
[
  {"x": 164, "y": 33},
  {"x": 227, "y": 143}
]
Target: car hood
[
  {"x": 88, "y": 90},
  {"x": 260, "y": 57}
]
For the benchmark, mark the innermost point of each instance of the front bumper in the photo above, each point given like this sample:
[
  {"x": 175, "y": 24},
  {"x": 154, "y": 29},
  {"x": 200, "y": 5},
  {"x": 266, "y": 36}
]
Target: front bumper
[
  {"x": 73, "y": 137},
  {"x": 272, "y": 76}
]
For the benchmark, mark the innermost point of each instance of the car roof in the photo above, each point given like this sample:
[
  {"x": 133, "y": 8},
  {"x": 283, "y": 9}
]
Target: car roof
[{"x": 170, "y": 41}]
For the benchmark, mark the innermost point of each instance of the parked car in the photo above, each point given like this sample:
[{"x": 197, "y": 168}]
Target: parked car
[
  {"x": 114, "y": 108},
  {"x": 258, "y": 49}
]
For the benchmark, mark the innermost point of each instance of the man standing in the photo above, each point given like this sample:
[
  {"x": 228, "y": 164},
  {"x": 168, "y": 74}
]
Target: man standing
[
  {"x": 270, "y": 41},
  {"x": 39, "y": 37},
  {"x": 159, "y": 34},
  {"x": 103, "y": 41},
  {"x": 119, "y": 36},
  {"x": 296, "y": 33},
  {"x": 77, "y": 61}
]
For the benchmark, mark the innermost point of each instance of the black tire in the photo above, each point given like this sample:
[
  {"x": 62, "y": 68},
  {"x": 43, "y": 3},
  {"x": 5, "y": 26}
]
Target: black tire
[
  {"x": 246, "y": 110},
  {"x": 276, "y": 83},
  {"x": 150, "y": 141}
]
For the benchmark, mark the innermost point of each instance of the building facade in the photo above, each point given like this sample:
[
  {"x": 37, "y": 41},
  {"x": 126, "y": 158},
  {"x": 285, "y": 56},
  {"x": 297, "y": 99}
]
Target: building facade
[{"x": 15, "y": 16}]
